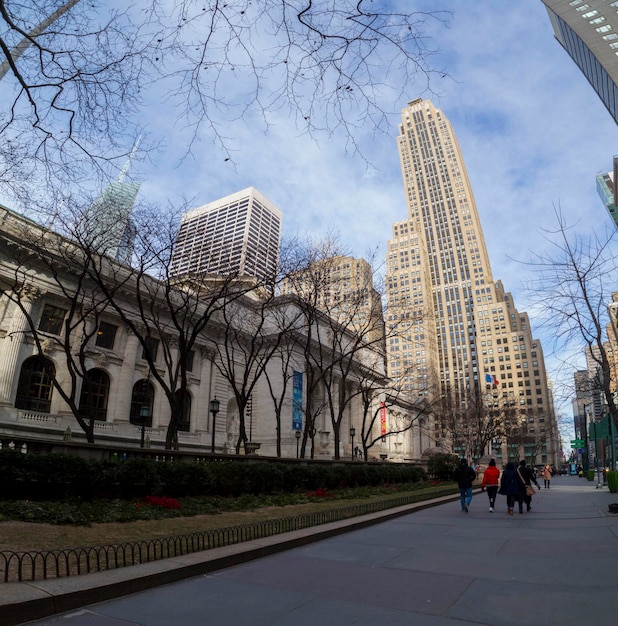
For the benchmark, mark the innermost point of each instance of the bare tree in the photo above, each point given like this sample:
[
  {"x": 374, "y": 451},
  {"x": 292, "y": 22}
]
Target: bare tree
[
  {"x": 573, "y": 289},
  {"x": 248, "y": 334},
  {"x": 69, "y": 323},
  {"x": 70, "y": 84},
  {"x": 486, "y": 420},
  {"x": 167, "y": 313},
  {"x": 76, "y": 75},
  {"x": 288, "y": 319}
]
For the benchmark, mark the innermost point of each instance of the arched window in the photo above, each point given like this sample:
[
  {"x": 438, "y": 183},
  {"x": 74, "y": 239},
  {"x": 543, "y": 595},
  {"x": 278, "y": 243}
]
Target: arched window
[
  {"x": 35, "y": 386},
  {"x": 184, "y": 421},
  {"x": 93, "y": 398},
  {"x": 142, "y": 400}
]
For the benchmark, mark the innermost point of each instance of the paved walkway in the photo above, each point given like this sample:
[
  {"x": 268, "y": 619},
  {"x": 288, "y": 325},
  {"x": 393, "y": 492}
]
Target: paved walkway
[{"x": 438, "y": 566}]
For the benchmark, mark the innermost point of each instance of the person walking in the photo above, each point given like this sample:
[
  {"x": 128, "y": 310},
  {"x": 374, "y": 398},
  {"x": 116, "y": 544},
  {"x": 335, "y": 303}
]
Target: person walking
[
  {"x": 491, "y": 482},
  {"x": 546, "y": 474},
  {"x": 464, "y": 475},
  {"x": 526, "y": 478},
  {"x": 509, "y": 486}
]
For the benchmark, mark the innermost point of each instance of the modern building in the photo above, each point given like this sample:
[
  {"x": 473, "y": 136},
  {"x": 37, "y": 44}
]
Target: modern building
[
  {"x": 236, "y": 235},
  {"x": 454, "y": 335},
  {"x": 588, "y": 31},
  {"x": 107, "y": 225},
  {"x": 607, "y": 188}
]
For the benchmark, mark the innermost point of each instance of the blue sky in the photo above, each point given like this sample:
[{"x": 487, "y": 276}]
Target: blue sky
[{"x": 532, "y": 131}]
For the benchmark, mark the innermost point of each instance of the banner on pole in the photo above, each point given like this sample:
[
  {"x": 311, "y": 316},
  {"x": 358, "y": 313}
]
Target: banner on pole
[
  {"x": 382, "y": 419},
  {"x": 297, "y": 401}
]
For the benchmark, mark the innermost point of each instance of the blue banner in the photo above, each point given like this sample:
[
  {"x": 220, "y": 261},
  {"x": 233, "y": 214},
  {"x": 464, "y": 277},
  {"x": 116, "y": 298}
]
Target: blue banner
[{"x": 297, "y": 401}]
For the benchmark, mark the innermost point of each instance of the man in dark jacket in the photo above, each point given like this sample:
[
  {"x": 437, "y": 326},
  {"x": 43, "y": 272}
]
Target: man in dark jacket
[{"x": 464, "y": 476}]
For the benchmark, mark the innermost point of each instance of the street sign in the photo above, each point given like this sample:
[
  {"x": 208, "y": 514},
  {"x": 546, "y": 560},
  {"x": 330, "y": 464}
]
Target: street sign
[{"x": 577, "y": 443}]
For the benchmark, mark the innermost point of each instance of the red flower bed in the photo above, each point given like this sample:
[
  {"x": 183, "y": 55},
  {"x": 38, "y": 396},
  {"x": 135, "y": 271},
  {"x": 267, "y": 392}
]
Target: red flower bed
[{"x": 163, "y": 502}]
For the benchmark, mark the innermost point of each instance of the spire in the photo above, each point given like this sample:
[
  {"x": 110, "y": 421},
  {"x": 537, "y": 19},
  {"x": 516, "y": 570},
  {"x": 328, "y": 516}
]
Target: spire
[{"x": 125, "y": 169}]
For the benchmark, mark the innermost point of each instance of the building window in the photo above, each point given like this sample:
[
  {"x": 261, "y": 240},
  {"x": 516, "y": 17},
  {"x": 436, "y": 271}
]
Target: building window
[
  {"x": 151, "y": 347},
  {"x": 93, "y": 398},
  {"x": 184, "y": 419},
  {"x": 142, "y": 401},
  {"x": 190, "y": 358},
  {"x": 35, "y": 386},
  {"x": 106, "y": 335},
  {"x": 51, "y": 320}
]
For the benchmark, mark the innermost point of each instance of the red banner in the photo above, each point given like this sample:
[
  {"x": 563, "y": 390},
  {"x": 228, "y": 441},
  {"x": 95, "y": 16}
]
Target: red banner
[{"x": 382, "y": 419}]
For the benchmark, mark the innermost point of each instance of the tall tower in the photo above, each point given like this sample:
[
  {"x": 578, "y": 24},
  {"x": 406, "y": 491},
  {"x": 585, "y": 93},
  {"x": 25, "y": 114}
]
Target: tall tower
[
  {"x": 107, "y": 224},
  {"x": 588, "y": 31},
  {"x": 454, "y": 335},
  {"x": 239, "y": 234}
]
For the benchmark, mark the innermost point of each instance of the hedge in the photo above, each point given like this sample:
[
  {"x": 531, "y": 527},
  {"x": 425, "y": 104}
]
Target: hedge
[{"x": 57, "y": 477}]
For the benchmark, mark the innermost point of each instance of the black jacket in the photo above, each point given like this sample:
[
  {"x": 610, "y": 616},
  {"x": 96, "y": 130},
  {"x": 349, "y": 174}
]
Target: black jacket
[{"x": 464, "y": 475}]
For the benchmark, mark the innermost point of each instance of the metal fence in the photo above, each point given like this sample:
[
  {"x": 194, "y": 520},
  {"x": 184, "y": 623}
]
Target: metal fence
[{"x": 39, "y": 565}]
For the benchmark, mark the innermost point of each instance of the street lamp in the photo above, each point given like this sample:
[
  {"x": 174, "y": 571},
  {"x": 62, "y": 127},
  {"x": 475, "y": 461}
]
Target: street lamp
[
  {"x": 352, "y": 433},
  {"x": 297, "y": 435},
  {"x": 144, "y": 414},
  {"x": 214, "y": 409}
]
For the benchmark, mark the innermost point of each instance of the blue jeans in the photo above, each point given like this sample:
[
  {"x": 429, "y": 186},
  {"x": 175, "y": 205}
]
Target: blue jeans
[{"x": 465, "y": 494}]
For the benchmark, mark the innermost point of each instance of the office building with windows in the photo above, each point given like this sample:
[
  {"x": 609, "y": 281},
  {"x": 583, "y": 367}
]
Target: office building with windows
[
  {"x": 454, "y": 336},
  {"x": 236, "y": 235},
  {"x": 588, "y": 31}
]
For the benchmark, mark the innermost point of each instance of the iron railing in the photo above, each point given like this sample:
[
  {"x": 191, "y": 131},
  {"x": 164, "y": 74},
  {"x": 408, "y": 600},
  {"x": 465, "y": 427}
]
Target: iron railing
[{"x": 39, "y": 565}]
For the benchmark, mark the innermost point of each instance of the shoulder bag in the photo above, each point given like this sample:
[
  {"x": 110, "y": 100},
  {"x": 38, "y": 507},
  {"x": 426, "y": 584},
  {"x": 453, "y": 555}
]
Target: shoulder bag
[{"x": 529, "y": 488}]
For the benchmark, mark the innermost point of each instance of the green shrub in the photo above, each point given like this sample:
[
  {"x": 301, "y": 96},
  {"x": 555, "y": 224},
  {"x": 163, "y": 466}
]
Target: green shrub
[
  {"x": 612, "y": 481},
  {"x": 179, "y": 480},
  {"x": 60, "y": 477},
  {"x": 590, "y": 475},
  {"x": 139, "y": 478},
  {"x": 441, "y": 466}
]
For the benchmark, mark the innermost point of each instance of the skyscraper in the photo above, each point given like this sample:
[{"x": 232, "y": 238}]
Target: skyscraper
[
  {"x": 239, "y": 234},
  {"x": 454, "y": 336},
  {"x": 588, "y": 31},
  {"x": 106, "y": 224}
]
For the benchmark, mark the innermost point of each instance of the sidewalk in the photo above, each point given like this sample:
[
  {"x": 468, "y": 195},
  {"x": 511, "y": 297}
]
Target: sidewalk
[{"x": 557, "y": 565}]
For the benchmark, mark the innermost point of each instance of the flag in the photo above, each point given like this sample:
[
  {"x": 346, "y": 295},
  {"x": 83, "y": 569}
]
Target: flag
[{"x": 492, "y": 380}]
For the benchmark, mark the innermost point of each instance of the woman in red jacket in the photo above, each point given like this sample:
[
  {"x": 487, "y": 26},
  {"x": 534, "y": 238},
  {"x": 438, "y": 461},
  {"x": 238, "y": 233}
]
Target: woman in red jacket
[{"x": 491, "y": 482}]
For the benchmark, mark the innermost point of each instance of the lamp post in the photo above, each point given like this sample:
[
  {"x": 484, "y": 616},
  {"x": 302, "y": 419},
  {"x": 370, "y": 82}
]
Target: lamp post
[
  {"x": 297, "y": 435},
  {"x": 352, "y": 433},
  {"x": 144, "y": 414},
  {"x": 214, "y": 409}
]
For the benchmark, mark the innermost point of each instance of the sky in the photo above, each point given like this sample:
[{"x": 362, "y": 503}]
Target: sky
[{"x": 533, "y": 134}]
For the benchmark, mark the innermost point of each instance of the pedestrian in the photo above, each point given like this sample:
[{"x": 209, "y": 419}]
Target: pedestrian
[
  {"x": 526, "y": 478},
  {"x": 546, "y": 474},
  {"x": 491, "y": 482},
  {"x": 509, "y": 486},
  {"x": 464, "y": 475}
]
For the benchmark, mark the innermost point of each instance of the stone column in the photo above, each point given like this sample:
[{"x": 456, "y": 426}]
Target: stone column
[
  {"x": 11, "y": 344},
  {"x": 200, "y": 419},
  {"x": 124, "y": 384}
]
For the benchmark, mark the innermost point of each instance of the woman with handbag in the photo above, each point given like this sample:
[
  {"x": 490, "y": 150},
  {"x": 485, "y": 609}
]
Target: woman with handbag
[
  {"x": 547, "y": 474},
  {"x": 526, "y": 478}
]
